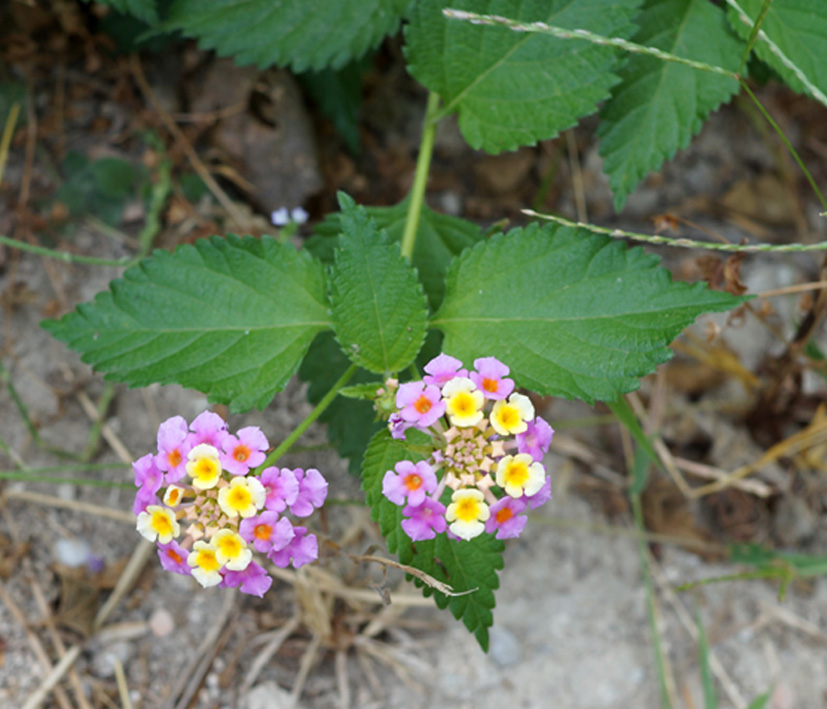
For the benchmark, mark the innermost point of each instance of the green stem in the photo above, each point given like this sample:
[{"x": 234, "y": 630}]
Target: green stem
[
  {"x": 423, "y": 164},
  {"x": 64, "y": 256},
  {"x": 93, "y": 439},
  {"x": 753, "y": 35},
  {"x": 328, "y": 398},
  {"x": 783, "y": 137},
  {"x": 652, "y": 610}
]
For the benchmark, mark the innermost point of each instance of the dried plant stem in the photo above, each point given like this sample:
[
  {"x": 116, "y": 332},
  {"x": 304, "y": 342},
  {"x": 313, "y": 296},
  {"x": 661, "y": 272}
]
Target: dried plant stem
[
  {"x": 186, "y": 146},
  {"x": 74, "y": 505},
  {"x": 680, "y": 243},
  {"x": 37, "y": 649},
  {"x": 277, "y": 639}
]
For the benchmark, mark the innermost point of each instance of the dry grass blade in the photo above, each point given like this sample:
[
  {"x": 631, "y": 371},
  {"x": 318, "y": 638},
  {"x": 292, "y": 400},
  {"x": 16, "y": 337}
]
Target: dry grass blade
[
  {"x": 39, "y": 652},
  {"x": 815, "y": 434},
  {"x": 416, "y": 573},
  {"x": 264, "y": 655},
  {"x": 74, "y": 505},
  {"x": 123, "y": 689},
  {"x": 305, "y": 665},
  {"x": 192, "y": 676},
  {"x": 690, "y": 626}
]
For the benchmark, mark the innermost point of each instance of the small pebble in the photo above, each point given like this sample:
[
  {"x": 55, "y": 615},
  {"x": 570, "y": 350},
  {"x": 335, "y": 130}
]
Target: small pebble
[
  {"x": 504, "y": 649},
  {"x": 161, "y": 622},
  {"x": 72, "y": 552}
]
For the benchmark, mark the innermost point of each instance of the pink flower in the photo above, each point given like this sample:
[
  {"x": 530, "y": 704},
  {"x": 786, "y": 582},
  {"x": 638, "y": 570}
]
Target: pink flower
[
  {"x": 421, "y": 405},
  {"x": 245, "y": 451},
  {"x": 208, "y": 428},
  {"x": 506, "y": 518},
  {"x": 253, "y": 580},
  {"x": 442, "y": 369},
  {"x": 536, "y": 439},
  {"x": 424, "y": 521},
  {"x": 149, "y": 479},
  {"x": 174, "y": 558},
  {"x": 266, "y": 531},
  {"x": 281, "y": 486},
  {"x": 174, "y": 443},
  {"x": 398, "y": 426},
  {"x": 410, "y": 483},
  {"x": 489, "y": 378},
  {"x": 312, "y": 492},
  {"x": 302, "y": 549}
]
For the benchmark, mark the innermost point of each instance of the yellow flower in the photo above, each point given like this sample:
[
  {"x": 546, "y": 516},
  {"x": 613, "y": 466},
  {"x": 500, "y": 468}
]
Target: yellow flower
[
  {"x": 204, "y": 466},
  {"x": 231, "y": 550},
  {"x": 467, "y": 513},
  {"x": 512, "y": 416},
  {"x": 244, "y": 496},
  {"x": 158, "y": 523},
  {"x": 463, "y": 402},
  {"x": 520, "y": 475},
  {"x": 205, "y": 565}
]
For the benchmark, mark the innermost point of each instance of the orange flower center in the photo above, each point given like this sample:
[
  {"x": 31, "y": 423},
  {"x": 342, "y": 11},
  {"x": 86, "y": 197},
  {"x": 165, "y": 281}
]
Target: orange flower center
[
  {"x": 413, "y": 482},
  {"x": 491, "y": 385},
  {"x": 262, "y": 531},
  {"x": 241, "y": 453},
  {"x": 423, "y": 405},
  {"x": 504, "y": 515},
  {"x": 174, "y": 457},
  {"x": 174, "y": 555}
]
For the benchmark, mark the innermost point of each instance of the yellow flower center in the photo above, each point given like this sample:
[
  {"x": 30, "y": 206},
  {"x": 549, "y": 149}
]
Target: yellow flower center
[
  {"x": 229, "y": 546},
  {"x": 239, "y": 498},
  {"x": 462, "y": 404},
  {"x": 206, "y": 560},
  {"x": 509, "y": 416},
  {"x": 516, "y": 473},
  {"x": 468, "y": 510},
  {"x": 161, "y": 523}
]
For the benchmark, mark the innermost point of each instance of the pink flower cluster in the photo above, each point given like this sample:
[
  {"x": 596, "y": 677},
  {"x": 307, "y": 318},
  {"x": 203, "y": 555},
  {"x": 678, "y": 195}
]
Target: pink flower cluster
[
  {"x": 203, "y": 478},
  {"x": 487, "y": 447}
]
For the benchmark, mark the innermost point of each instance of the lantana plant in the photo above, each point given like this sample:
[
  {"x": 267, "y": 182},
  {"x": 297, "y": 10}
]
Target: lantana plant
[
  {"x": 420, "y": 335},
  {"x": 203, "y": 484}
]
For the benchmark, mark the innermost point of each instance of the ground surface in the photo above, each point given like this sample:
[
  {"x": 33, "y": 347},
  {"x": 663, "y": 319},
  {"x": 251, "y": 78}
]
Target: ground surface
[{"x": 571, "y": 625}]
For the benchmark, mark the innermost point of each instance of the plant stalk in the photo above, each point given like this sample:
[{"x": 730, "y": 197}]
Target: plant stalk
[
  {"x": 423, "y": 164},
  {"x": 328, "y": 398}
]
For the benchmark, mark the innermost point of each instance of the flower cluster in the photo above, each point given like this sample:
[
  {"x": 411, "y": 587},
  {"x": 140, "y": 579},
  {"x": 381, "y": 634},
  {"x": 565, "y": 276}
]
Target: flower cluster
[
  {"x": 201, "y": 479},
  {"x": 486, "y": 466}
]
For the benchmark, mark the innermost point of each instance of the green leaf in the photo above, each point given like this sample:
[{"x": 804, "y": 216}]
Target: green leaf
[
  {"x": 230, "y": 317},
  {"x": 365, "y": 392},
  {"x": 304, "y": 35},
  {"x": 659, "y": 105},
  {"x": 350, "y": 423},
  {"x": 99, "y": 187},
  {"x": 761, "y": 701},
  {"x": 379, "y": 310},
  {"x": 439, "y": 239},
  {"x": 510, "y": 88},
  {"x": 339, "y": 97},
  {"x": 798, "y": 31},
  {"x": 146, "y": 10},
  {"x": 572, "y": 313},
  {"x": 464, "y": 565}
]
